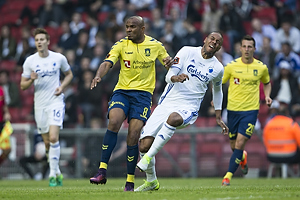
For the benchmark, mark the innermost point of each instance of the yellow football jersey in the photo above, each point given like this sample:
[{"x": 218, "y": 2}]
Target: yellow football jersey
[
  {"x": 244, "y": 80},
  {"x": 137, "y": 63}
]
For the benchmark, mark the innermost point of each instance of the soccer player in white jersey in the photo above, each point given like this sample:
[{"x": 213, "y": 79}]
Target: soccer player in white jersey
[
  {"x": 193, "y": 69},
  {"x": 43, "y": 70}
]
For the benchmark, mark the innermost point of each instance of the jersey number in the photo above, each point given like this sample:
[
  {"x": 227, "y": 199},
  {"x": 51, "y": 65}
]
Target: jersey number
[
  {"x": 250, "y": 129},
  {"x": 144, "y": 115},
  {"x": 56, "y": 113}
]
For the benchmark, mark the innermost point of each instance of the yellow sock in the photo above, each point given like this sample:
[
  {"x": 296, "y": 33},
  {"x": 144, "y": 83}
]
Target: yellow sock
[
  {"x": 130, "y": 178},
  {"x": 103, "y": 165},
  {"x": 228, "y": 175}
]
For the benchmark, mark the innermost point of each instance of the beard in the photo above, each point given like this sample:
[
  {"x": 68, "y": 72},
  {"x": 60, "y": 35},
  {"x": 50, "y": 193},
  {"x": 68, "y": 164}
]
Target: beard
[{"x": 209, "y": 53}]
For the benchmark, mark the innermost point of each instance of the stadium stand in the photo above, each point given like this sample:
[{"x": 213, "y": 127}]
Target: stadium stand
[{"x": 212, "y": 149}]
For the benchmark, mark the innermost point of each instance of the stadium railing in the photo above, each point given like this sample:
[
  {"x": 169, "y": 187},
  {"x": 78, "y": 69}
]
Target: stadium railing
[{"x": 191, "y": 152}]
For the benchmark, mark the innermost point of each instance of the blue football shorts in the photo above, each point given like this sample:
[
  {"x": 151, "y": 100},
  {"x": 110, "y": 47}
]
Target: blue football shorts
[
  {"x": 242, "y": 122},
  {"x": 135, "y": 104}
]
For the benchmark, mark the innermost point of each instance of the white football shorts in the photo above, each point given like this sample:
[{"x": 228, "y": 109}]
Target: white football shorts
[
  {"x": 51, "y": 115},
  {"x": 161, "y": 114}
]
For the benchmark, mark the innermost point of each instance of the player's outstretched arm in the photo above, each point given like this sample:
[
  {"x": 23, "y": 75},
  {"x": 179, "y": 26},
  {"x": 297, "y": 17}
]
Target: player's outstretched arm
[
  {"x": 220, "y": 122},
  {"x": 267, "y": 91},
  {"x": 168, "y": 62},
  {"x": 102, "y": 71}
]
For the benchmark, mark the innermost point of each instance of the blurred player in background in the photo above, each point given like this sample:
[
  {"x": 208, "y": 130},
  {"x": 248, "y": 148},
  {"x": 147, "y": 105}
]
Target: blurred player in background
[
  {"x": 43, "y": 70},
  {"x": 193, "y": 69},
  {"x": 244, "y": 75},
  {"x": 38, "y": 157},
  {"x": 132, "y": 95},
  {"x": 5, "y": 128}
]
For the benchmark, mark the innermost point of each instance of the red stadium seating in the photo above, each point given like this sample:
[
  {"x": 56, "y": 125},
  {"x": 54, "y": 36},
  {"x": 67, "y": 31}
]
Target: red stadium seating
[
  {"x": 34, "y": 5},
  {"x": 27, "y": 101},
  {"x": 25, "y": 113},
  {"x": 15, "y": 114},
  {"x": 197, "y": 25},
  {"x": 102, "y": 17},
  {"x": 266, "y": 15},
  {"x": 226, "y": 43},
  {"x": 248, "y": 27},
  {"x": 145, "y": 14},
  {"x": 8, "y": 65}
]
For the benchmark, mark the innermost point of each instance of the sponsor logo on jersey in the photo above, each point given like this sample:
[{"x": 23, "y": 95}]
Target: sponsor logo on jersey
[
  {"x": 127, "y": 63},
  {"x": 142, "y": 64},
  {"x": 128, "y": 52},
  {"x": 194, "y": 72},
  {"x": 42, "y": 73},
  {"x": 147, "y": 52},
  {"x": 176, "y": 60},
  {"x": 236, "y": 81},
  {"x": 111, "y": 104}
]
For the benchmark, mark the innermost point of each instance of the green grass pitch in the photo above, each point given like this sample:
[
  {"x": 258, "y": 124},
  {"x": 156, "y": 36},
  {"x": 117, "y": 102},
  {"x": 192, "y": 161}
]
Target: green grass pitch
[{"x": 171, "y": 188}]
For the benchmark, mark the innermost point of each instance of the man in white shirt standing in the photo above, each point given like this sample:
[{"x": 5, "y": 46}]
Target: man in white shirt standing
[
  {"x": 193, "y": 69},
  {"x": 43, "y": 70}
]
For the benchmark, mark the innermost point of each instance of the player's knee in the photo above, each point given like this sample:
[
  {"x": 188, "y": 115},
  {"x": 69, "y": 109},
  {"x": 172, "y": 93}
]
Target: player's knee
[
  {"x": 145, "y": 144},
  {"x": 53, "y": 139},
  {"x": 175, "y": 119},
  {"x": 240, "y": 144},
  {"x": 144, "y": 149},
  {"x": 114, "y": 124},
  {"x": 132, "y": 140}
]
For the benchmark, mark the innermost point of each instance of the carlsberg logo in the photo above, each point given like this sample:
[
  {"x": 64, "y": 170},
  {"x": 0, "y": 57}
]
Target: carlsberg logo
[{"x": 194, "y": 72}]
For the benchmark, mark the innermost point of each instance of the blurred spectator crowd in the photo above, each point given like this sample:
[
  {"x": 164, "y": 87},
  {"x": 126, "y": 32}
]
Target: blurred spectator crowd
[{"x": 84, "y": 31}]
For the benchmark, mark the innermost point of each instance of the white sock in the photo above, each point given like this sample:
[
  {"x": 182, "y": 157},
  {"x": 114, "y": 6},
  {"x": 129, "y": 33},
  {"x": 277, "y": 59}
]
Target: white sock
[
  {"x": 150, "y": 171},
  {"x": 162, "y": 137},
  {"x": 54, "y": 154}
]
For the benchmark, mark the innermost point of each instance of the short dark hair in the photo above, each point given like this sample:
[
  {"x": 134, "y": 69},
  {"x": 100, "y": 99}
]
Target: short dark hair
[
  {"x": 286, "y": 43},
  {"x": 249, "y": 38},
  {"x": 216, "y": 32},
  {"x": 41, "y": 31}
]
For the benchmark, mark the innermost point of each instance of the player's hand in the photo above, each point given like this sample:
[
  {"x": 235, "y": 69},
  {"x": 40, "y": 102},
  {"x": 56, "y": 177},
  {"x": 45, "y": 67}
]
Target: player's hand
[
  {"x": 58, "y": 91},
  {"x": 95, "y": 81},
  {"x": 179, "y": 78},
  {"x": 225, "y": 129},
  {"x": 33, "y": 75},
  {"x": 7, "y": 116},
  {"x": 168, "y": 62},
  {"x": 268, "y": 101}
]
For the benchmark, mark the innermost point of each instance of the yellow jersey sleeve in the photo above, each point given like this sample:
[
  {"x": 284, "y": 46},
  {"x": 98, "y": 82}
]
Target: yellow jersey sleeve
[
  {"x": 137, "y": 63},
  {"x": 114, "y": 53},
  {"x": 226, "y": 74},
  {"x": 266, "y": 77}
]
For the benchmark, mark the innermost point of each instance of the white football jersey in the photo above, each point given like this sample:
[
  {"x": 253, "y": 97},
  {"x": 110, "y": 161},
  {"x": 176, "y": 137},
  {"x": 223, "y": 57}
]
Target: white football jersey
[
  {"x": 48, "y": 70},
  {"x": 200, "y": 71}
]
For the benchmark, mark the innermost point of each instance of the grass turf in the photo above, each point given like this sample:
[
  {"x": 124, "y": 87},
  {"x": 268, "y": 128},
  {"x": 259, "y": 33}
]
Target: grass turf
[{"x": 171, "y": 188}]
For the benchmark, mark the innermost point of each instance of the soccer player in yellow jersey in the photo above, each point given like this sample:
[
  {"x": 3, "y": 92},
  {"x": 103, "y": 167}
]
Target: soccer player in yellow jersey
[
  {"x": 132, "y": 95},
  {"x": 244, "y": 75}
]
